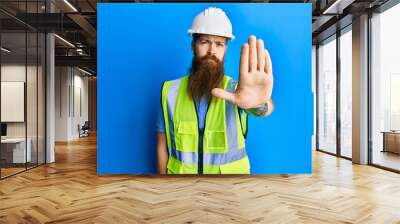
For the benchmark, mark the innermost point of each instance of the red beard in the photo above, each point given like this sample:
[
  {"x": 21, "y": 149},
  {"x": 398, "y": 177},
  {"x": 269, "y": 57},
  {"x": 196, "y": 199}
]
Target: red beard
[{"x": 206, "y": 74}]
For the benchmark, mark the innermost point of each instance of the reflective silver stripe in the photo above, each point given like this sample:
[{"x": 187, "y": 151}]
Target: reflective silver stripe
[
  {"x": 184, "y": 157},
  {"x": 172, "y": 95},
  {"x": 232, "y": 155},
  {"x": 230, "y": 116}
]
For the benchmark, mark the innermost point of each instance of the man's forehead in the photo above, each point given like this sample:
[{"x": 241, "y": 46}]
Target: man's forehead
[{"x": 212, "y": 37}]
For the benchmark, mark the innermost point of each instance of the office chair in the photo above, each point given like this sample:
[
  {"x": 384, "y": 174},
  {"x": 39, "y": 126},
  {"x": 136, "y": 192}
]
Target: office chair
[{"x": 84, "y": 130}]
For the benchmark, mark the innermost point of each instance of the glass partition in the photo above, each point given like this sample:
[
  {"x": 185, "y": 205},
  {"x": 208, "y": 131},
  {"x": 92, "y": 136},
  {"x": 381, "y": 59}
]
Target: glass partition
[
  {"x": 22, "y": 77},
  {"x": 327, "y": 95},
  {"x": 14, "y": 153}
]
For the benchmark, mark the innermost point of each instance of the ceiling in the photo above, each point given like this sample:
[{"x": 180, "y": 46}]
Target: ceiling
[
  {"x": 329, "y": 16},
  {"x": 74, "y": 21}
]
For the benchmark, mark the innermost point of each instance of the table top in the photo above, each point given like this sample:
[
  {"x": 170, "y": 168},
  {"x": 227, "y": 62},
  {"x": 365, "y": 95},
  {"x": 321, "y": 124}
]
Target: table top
[
  {"x": 391, "y": 132},
  {"x": 13, "y": 140}
]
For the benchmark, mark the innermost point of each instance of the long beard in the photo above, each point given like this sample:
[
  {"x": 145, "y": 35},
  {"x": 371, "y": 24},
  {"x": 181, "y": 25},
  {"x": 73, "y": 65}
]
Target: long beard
[{"x": 206, "y": 73}]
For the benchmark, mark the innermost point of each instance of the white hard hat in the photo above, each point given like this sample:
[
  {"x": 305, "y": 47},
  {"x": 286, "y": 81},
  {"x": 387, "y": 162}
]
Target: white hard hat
[{"x": 212, "y": 21}]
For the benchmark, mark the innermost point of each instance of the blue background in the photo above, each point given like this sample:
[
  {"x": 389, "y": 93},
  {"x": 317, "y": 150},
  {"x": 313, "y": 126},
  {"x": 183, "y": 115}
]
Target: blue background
[{"x": 143, "y": 44}]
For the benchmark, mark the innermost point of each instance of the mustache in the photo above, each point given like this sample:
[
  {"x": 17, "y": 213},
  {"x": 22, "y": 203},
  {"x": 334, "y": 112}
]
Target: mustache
[
  {"x": 201, "y": 62},
  {"x": 209, "y": 57}
]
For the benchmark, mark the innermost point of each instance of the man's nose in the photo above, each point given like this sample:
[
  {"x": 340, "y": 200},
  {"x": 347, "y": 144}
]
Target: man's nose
[{"x": 211, "y": 49}]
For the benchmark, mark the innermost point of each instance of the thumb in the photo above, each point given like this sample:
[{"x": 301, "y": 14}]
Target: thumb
[{"x": 223, "y": 94}]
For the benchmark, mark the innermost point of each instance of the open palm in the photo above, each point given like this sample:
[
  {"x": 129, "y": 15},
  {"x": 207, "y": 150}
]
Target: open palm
[{"x": 255, "y": 77}]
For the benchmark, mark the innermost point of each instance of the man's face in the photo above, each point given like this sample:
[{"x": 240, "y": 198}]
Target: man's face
[
  {"x": 207, "y": 69},
  {"x": 210, "y": 44}
]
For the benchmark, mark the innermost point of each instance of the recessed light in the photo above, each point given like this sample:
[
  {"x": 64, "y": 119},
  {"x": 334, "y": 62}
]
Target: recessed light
[{"x": 64, "y": 40}]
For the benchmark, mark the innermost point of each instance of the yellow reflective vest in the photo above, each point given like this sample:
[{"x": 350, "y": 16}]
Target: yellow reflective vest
[{"x": 223, "y": 140}]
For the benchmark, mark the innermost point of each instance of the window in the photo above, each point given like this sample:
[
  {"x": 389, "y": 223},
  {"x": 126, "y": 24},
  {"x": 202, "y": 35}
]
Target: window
[
  {"x": 385, "y": 88},
  {"x": 346, "y": 92},
  {"x": 327, "y": 95}
]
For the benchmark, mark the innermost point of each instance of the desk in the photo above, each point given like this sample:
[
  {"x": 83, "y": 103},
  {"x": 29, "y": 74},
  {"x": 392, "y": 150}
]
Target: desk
[
  {"x": 391, "y": 141},
  {"x": 13, "y": 150}
]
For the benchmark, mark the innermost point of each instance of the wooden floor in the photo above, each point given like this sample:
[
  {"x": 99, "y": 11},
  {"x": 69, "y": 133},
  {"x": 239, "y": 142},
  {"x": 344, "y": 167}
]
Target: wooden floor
[
  {"x": 70, "y": 191},
  {"x": 9, "y": 171},
  {"x": 5, "y": 172}
]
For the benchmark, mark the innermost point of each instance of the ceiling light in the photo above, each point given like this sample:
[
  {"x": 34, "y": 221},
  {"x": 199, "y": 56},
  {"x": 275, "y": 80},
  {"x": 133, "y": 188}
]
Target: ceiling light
[
  {"x": 337, "y": 7},
  {"x": 5, "y": 50},
  {"x": 70, "y": 5},
  {"x": 65, "y": 41},
  {"x": 84, "y": 71}
]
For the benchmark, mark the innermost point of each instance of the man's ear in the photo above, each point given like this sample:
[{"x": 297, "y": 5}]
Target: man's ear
[
  {"x": 226, "y": 49},
  {"x": 193, "y": 46}
]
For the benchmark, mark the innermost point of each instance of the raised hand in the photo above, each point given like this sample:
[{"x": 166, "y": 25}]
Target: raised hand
[{"x": 255, "y": 77}]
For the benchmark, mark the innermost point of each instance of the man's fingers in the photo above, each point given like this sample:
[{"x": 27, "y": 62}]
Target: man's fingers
[
  {"x": 260, "y": 55},
  {"x": 252, "y": 53},
  {"x": 220, "y": 93},
  {"x": 268, "y": 63},
  {"x": 244, "y": 60}
]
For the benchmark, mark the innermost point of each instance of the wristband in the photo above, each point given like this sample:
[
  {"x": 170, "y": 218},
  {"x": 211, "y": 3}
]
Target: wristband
[{"x": 258, "y": 111}]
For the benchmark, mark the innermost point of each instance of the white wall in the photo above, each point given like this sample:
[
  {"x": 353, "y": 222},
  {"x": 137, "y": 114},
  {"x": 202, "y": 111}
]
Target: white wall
[
  {"x": 70, "y": 84},
  {"x": 12, "y": 73},
  {"x": 80, "y": 89},
  {"x": 13, "y": 101},
  {"x": 314, "y": 88},
  {"x": 62, "y": 81}
]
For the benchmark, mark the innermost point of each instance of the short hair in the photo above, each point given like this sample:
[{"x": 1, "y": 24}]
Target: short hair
[{"x": 196, "y": 36}]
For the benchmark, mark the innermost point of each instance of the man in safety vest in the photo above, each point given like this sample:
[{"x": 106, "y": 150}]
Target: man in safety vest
[{"x": 203, "y": 123}]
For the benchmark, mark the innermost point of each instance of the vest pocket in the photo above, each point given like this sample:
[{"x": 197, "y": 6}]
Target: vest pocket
[
  {"x": 215, "y": 142},
  {"x": 186, "y": 136},
  {"x": 175, "y": 166}
]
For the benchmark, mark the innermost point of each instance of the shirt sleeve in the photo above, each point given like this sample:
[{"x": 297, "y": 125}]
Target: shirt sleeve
[{"x": 160, "y": 120}]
